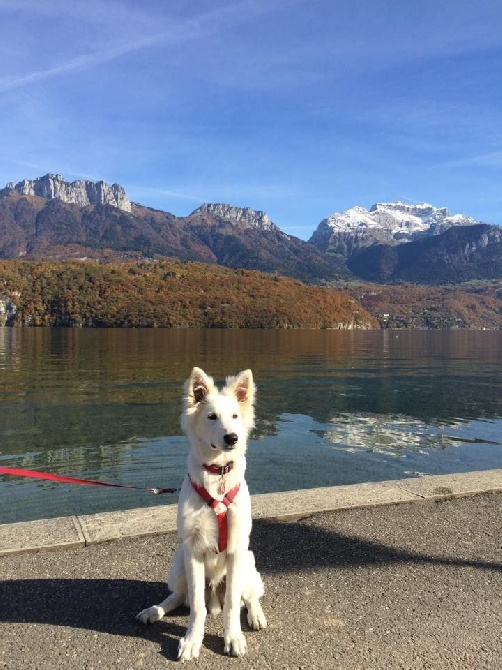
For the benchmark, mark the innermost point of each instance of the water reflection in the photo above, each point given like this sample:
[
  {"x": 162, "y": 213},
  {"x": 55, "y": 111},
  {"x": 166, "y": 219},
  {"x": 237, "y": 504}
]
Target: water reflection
[
  {"x": 393, "y": 435},
  {"x": 354, "y": 405}
]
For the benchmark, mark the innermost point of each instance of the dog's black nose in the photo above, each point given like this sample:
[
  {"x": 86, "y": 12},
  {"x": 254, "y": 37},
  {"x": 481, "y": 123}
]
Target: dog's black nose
[{"x": 230, "y": 439}]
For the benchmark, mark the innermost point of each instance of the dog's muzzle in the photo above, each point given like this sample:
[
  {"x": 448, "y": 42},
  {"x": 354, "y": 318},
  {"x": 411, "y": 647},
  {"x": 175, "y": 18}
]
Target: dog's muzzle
[{"x": 230, "y": 440}]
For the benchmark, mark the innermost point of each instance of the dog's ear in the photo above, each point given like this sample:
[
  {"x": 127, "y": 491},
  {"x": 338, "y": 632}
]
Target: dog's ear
[
  {"x": 243, "y": 387},
  {"x": 197, "y": 387}
]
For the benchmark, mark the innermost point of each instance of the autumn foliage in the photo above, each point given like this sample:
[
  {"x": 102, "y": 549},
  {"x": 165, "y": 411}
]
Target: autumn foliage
[
  {"x": 169, "y": 294},
  {"x": 475, "y": 305}
]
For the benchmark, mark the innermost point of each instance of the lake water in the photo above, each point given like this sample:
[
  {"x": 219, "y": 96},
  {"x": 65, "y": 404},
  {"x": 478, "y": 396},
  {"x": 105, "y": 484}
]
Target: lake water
[{"x": 334, "y": 407}]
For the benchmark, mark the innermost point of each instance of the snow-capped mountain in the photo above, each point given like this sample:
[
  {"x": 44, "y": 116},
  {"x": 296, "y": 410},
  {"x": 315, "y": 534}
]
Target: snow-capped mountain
[{"x": 388, "y": 223}]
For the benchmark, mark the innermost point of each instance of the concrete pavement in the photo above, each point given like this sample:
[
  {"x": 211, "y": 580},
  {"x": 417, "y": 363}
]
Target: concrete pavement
[
  {"x": 404, "y": 574},
  {"x": 84, "y": 530}
]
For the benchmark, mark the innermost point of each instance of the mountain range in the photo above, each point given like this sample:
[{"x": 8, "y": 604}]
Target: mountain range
[{"x": 51, "y": 219}]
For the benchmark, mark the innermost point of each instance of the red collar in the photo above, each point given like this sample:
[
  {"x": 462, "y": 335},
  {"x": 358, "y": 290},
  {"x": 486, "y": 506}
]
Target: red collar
[
  {"x": 217, "y": 470},
  {"x": 227, "y": 500}
]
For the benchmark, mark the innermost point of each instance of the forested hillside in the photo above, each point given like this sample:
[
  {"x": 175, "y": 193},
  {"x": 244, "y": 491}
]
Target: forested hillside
[
  {"x": 476, "y": 305},
  {"x": 171, "y": 294}
]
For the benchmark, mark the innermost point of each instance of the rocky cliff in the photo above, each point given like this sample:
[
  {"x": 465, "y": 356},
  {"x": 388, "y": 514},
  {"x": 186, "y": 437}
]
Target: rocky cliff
[
  {"x": 81, "y": 193},
  {"x": 244, "y": 217}
]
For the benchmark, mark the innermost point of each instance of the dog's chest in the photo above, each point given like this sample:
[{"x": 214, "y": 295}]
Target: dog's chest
[
  {"x": 201, "y": 530},
  {"x": 208, "y": 529}
]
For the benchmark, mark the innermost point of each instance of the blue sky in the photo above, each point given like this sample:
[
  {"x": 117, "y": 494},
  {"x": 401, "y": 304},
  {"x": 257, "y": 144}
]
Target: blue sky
[{"x": 298, "y": 108}]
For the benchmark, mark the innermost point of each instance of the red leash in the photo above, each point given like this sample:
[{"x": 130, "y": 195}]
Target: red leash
[{"x": 35, "y": 474}]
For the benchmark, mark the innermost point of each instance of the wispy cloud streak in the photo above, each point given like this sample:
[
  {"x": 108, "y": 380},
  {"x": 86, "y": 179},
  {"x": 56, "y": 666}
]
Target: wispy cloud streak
[
  {"x": 196, "y": 28},
  {"x": 83, "y": 62}
]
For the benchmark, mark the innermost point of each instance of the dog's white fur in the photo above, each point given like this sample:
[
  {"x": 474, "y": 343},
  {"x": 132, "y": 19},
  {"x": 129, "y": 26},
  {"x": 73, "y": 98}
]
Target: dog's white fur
[{"x": 199, "y": 574}]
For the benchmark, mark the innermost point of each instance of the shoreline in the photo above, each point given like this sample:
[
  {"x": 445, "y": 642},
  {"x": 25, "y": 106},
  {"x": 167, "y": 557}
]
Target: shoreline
[{"x": 85, "y": 530}]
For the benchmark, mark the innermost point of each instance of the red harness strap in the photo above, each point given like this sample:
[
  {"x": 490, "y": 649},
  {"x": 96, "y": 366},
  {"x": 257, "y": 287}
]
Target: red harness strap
[{"x": 228, "y": 499}]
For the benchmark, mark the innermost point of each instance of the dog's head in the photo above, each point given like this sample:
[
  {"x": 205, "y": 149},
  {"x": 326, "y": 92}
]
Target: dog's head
[{"x": 219, "y": 421}]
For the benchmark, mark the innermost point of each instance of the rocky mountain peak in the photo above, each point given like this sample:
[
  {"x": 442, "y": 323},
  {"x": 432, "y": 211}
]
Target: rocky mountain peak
[
  {"x": 244, "y": 216},
  {"x": 80, "y": 192},
  {"x": 390, "y": 223},
  {"x": 421, "y": 210}
]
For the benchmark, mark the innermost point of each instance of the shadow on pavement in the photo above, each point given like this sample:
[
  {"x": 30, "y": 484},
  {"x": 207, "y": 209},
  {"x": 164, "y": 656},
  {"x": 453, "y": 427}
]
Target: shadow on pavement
[
  {"x": 289, "y": 547},
  {"x": 109, "y": 605},
  {"x": 101, "y": 605}
]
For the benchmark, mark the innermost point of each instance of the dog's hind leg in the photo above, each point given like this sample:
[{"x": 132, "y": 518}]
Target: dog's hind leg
[
  {"x": 156, "y": 612},
  {"x": 256, "y": 618},
  {"x": 176, "y": 583}
]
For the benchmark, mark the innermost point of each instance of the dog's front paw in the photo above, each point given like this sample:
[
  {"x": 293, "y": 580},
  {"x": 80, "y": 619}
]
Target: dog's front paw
[
  {"x": 235, "y": 646},
  {"x": 189, "y": 648},
  {"x": 151, "y": 614}
]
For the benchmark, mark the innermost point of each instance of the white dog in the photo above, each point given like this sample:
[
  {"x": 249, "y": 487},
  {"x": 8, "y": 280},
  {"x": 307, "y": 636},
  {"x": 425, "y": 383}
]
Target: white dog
[{"x": 213, "y": 565}]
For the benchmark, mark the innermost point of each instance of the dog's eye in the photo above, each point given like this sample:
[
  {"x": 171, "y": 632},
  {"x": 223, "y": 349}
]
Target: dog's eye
[
  {"x": 212, "y": 416},
  {"x": 235, "y": 416}
]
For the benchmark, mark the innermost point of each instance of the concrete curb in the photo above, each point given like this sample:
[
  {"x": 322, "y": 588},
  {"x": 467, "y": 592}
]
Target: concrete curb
[{"x": 80, "y": 531}]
